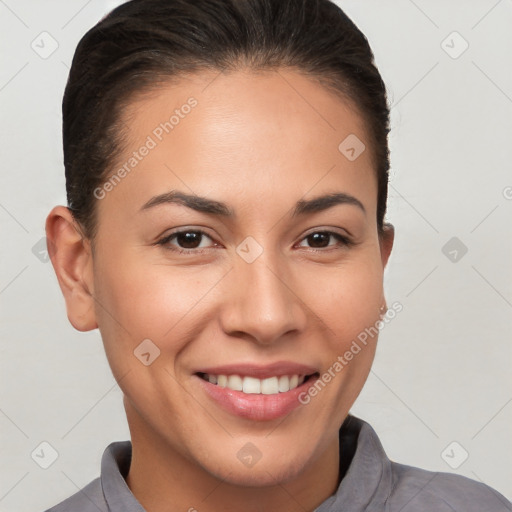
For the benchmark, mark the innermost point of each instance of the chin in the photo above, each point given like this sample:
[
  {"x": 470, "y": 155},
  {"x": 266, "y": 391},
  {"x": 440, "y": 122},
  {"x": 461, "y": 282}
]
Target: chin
[
  {"x": 262, "y": 476},
  {"x": 274, "y": 470}
]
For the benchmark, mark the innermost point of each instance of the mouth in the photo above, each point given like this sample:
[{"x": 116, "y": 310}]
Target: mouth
[
  {"x": 254, "y": 392},
  {"x": 254, "y": 386}
]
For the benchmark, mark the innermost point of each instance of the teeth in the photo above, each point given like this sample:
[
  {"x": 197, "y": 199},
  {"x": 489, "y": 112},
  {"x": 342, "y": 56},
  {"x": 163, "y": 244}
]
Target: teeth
[
  {"x": 252, "y": 385},
  {"x": 284, "y": 383},
  {"x": 235, "y": 383},
  {"x": 270, "y": 386}
]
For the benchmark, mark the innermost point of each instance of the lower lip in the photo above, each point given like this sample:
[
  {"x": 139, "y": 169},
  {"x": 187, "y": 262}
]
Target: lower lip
[{"x": 254, "y": 406}]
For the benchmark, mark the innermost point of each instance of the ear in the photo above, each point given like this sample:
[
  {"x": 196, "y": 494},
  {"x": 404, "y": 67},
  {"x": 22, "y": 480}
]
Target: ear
[
  {"x": 386, "y": 242},
  {"x": 71, "y": 256}
]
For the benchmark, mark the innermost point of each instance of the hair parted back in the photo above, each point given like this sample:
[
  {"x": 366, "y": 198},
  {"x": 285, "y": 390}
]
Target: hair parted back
[{"x": 145, "y": 42}]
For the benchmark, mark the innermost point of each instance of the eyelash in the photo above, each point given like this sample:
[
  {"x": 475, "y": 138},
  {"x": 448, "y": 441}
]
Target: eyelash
[{"x": 344, "y": 240}]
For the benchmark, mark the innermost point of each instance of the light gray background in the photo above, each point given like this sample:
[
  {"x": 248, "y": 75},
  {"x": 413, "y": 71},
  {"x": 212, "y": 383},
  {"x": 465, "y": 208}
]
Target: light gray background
[{"x": 442, "y": 370}]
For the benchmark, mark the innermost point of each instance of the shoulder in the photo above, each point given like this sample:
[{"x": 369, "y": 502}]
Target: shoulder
[
  {"x": 88, "y": 499},
  {"x": 415, "y": 489}
]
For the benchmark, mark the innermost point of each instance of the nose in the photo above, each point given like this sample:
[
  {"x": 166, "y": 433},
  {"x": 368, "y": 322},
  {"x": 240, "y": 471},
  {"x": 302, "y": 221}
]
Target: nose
[{"x": 261, "y": 303}]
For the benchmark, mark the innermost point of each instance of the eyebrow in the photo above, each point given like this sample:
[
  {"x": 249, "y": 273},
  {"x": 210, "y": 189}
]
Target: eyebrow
[
  {"x": 212, "y": 207},
  {"x": 318, "y": 204}
]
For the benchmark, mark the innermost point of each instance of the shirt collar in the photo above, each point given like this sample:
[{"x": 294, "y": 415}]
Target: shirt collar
[
  {"x": 364, "y": 467},
  {"x": 115, "y": 464},
  {"x": 368, "y": 481}
]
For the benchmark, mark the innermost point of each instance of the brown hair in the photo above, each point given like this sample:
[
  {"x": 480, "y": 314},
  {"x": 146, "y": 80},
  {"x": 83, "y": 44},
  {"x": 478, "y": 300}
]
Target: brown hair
[{"x": 143, "y": 42}]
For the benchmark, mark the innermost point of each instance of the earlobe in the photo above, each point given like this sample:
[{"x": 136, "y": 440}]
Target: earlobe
[
  {"x": 386, "y": 242},
  {"x": 71, "y": 257}
]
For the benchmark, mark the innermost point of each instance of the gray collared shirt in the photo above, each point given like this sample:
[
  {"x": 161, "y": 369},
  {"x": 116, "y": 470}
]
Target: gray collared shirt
[{"x": 370, "y": 483}]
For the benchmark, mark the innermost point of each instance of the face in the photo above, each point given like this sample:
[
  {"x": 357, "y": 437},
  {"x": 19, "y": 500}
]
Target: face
[{"x": 217, "y": 266}]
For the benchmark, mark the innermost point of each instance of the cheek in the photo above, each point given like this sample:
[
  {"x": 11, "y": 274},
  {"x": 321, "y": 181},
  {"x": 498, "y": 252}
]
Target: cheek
[
  {"x": 141, "y": 299},
  {"x": 347, "y": 298},
  {"x": 145, "y": 298}
]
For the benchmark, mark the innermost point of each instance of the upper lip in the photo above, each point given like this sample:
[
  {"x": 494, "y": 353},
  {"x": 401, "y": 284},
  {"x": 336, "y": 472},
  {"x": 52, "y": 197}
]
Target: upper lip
[{"x": 276, "y": 369}]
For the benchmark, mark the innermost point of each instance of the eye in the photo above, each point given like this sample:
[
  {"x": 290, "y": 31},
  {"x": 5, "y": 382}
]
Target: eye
[
  {"x": 186, "y": 241},
  {"x": 321, "y": 240}
]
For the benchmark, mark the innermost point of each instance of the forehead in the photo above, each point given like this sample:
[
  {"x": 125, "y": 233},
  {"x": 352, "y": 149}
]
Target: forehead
[
  {"x": 282, "y": 101},
  {"x": 245, "y": 134}
]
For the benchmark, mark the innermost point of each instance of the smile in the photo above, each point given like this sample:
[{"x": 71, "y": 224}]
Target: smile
[
  {"x": 255, "y": 392},
  {"x": 252, "y": 385}
]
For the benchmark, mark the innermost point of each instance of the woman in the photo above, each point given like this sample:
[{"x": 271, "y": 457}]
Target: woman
[{"x": 226, "y": 171}]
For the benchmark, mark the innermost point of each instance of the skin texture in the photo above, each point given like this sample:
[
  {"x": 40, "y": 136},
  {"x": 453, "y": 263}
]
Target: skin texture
[{"x": 258, "y": 142}]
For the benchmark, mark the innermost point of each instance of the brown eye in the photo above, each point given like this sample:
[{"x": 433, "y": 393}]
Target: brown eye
[
  {"x": 322, "y": 239},
  {"x": 189, "y": 239},
  {"x": 186, "y": 240},
  {"x": 319, "y": 239}
]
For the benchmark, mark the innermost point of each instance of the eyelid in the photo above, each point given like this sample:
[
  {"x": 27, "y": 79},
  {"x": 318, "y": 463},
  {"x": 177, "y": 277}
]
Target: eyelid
[
  {"x": 329, "y": 229},
  {"x": 164, "y": 240},
  {"x": 344, "y": 239}
]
